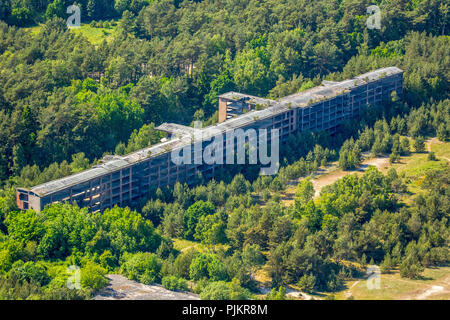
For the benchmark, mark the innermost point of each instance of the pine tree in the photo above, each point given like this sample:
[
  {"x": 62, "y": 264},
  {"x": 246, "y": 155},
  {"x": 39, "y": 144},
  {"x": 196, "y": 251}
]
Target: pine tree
[
  {"x": 419, "y": 144},
  {"x": 386, "y": 266}
]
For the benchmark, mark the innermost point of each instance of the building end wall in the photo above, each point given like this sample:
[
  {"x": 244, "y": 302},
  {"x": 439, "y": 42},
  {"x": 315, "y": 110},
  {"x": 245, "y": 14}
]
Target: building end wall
[{"x": 222, "y": 110}]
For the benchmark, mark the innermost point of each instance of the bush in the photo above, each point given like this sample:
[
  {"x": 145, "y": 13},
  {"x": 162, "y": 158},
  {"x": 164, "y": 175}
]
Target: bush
[
  {"x": 432, "y": 156},
  {"x": 107, "y": 260},
  {"x": 419, "y": 144},
  {"x": 207, "y": 266},
  {"x": 31, "y": 272},
  {"x": 174, "y": 283},
  {"x": 144, "y": 267},
  {"x": 307, "y": 283},
  {"x": 277, "y": 295},
  {"x": 387, "y": 264},
  {"x": 183, "y": 262},
  {"x": 410, "y": 268},
  {"x": 222, "y": 290},
  {"x": 93, "y": 276},
  {"x": 216, "y": 291}
]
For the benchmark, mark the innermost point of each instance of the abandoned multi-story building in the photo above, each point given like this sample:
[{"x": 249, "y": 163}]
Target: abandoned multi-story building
[{"x": 121, "y": 180}]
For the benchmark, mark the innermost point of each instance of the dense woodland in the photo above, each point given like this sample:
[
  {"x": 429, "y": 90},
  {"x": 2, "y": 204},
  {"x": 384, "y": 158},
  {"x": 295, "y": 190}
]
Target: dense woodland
[{"x": 65, "y": 103}]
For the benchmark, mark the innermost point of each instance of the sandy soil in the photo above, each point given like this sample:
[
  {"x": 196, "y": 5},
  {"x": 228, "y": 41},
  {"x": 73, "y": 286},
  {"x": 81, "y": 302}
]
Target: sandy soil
[
  {"x": 381, "y": 163},
  {"x": 440, "y": 288},
  {"x": 120, "y": 288}
]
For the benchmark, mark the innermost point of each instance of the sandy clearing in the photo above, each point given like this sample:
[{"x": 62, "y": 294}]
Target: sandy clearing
[
  {"x": 431, "y": 291},
  {"x": 431, "y": 142},
  {"x": 380, "y": 163},
  {"x": 326, "y": 176}
]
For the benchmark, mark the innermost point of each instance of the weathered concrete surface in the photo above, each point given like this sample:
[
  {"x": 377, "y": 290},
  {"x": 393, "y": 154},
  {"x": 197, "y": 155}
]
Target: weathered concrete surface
[{"x": 120, "y": 288}]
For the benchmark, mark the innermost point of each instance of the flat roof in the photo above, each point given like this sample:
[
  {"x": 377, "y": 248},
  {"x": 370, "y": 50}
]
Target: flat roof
[
  {"x": 237, "y": 96},
  {"x": 184, "y": 134},
  {"x": 176, "y": 129}
]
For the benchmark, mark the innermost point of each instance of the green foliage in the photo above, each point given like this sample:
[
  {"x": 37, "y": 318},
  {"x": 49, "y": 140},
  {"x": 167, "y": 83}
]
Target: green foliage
[
  {"x": 307, "y": 283},
  {"x": 387, "y": 264},
  {"x": 174, "y": 283},
  {"x": 183, "y": 262},
  {"x": 108, "y": 260},
  {"x": 221, "y": 290},
  {"x": 66, "y": 228},
  {"x": 277, "y": 295},
  {"x": 431, "y": 156},
  {"x": 349, "y": 155},
  {"x": 210, "y": 230},
  {"x": 29, "y": 271},
  {"x": 419, "y": 144},
  {"x": 127, "y": 231},
  {"x": 65, "y": 102},
  {"x": 239, "y": 185},
  {"x": 207, "y": 266},
  {"x": 304, "y": 193},
  {"x": 193, "y": 215},
  {"x": 93, "y": 276},
  {"x": 144, "y": 267},
  {"x": 252, "y": 256},
  {"x": 24, "y": 226},
  {"x": 62, "y": 229},
  {"x": 216, "y": 291}
]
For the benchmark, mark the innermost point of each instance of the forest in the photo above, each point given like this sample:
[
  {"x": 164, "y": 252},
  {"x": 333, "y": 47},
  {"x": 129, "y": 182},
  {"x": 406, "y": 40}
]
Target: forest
[{"x": 66, "y": 102}]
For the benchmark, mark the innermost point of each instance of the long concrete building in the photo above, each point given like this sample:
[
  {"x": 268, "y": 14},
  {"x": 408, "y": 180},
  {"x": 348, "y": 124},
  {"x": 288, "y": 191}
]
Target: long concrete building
[{"x": 124, "y": 180}]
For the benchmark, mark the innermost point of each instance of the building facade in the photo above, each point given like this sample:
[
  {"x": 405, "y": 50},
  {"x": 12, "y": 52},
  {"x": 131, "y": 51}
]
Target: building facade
[{"x": 125, "y": 180}]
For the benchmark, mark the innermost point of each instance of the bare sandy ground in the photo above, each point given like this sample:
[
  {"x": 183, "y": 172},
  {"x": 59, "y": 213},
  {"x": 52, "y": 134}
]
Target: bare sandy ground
[
  {"x": 324, "y": 180},
  {"x": 329, "y": 175},
  {"x": 438, "y": 289},
  {"x": 121, "y": 288}
]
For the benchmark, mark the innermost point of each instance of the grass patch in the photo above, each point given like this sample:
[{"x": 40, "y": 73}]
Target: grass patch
[
  {"x": 393, "y": 287},
  {"x": 417, "y": 164},
  {"x": 183, "y": 244},
  {"x": 33, "y": 30},
  {"x": 93, "y": 34},
  {"x": 441, "y": 149},
  {"x": 96, "y": 35}
]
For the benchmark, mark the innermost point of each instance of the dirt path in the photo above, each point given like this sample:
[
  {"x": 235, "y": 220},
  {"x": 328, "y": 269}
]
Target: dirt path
[
  {"x": 348, "y": 293},
  {"x": 381, "y": 163},
  {"x": 441, "y": 287},
  {"x": 294, "y": 293},
  {"x": 324, "y": 180},
  {"x": 326, "y": 176},
  {"x": 332, "y": 173},
  {"x": 433, "y": 290}
]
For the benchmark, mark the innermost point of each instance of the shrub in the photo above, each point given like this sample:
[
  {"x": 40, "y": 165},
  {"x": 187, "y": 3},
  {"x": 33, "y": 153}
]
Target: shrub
[
  {"x": 432, "y": 156},
  {"x": 174, "y": 283},
  {"x": 216, "y": 291},
  {"x": 93, "y": 276},
  {"x": 144, "y": 267},
  {"x": 30, "y": 272},
  {"x": 307, "y": 283}
]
